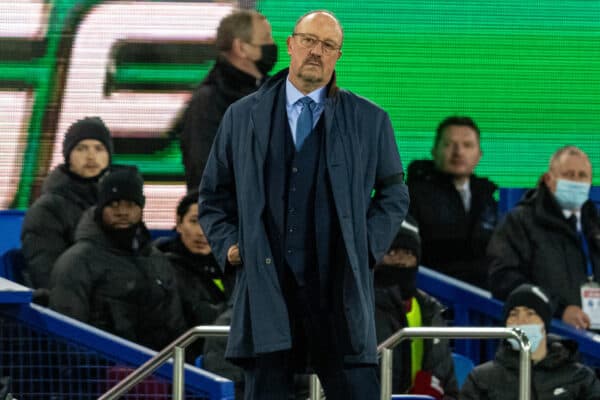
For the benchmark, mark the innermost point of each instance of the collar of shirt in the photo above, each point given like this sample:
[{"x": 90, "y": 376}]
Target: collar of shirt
[
  {"x": 465, "y": 193},
  {"x": 292, "y": 95},
  {"x": 568, "y": 213}
]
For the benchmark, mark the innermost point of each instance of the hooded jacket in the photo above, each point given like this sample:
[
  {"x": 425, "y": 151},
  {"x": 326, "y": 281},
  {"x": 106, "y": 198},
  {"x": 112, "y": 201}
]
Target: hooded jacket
[
  {"x": 203, "y": 300},
  {"x": 536, "y": 244},
  {"x": 437, "y": 358},
  {"x": 129, "y": 293},
  {"x": 557, "y": 376},
  {"x": 361, "y": 154},
  {"x": 223, "y": 85},
  {"x": 49, "y": 224},
  {"x": 453, "y": 240}
]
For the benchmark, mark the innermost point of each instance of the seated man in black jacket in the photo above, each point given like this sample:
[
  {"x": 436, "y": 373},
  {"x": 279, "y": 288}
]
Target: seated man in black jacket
[
  {"x": 552, "y": 239},
  {"x": 112, "y": 277},
  {"x": 50, "y": 223},
  {"x": 420, "y": 366},
  {"x": 555, "y": 374},
  {"x": 200, "y": 282},
  {"x": 455, "y": 209}
]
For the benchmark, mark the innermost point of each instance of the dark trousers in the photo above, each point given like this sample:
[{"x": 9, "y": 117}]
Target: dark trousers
[{"x": 318, "y": 344}]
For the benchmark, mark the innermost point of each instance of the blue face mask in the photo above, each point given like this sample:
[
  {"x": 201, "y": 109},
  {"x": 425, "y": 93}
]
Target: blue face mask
[
  {"x": 571, "y": 195},
  {"x": 533, "y": 332}
]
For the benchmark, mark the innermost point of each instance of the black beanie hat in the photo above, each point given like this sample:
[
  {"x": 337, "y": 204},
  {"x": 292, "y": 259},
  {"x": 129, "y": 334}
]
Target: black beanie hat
[
  {"x": 124, "y": 183},
  {"x": 408, "y": 238},
  {"x": 87, "y": 128},
  {"x": 532, "y": 297}
]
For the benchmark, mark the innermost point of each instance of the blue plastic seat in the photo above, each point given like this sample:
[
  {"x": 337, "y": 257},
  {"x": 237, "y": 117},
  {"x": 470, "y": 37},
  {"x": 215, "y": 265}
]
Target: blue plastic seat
[{"x": 462, "y": 366}]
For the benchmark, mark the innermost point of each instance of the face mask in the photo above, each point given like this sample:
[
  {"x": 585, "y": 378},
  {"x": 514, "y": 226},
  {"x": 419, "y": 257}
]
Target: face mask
[
  {"x": 571, "y": 195},
  {"x": 405, "y": 278},
  {"x": 268, "y": 59},
  {"x": 533, "y": 332}
]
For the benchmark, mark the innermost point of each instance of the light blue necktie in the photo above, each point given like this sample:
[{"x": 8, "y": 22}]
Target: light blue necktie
[{"x": 304, "y": 125}]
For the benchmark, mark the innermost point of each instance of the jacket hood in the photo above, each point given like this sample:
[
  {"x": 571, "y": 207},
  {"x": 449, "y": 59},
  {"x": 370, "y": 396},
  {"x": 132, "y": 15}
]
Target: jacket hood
[
  {"x": 82, "y": 191},
  {"x": 426, "y": 171},
  {"x": 560, "y": 352},
  {"x": 232, "y": 82},
  {"x": 548, "y": 212},
  {"x": 89, "y": 230}
]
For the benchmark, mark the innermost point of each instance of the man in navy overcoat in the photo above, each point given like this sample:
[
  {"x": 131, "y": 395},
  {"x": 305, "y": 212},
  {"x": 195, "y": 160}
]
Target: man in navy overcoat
[{"x": 302, "y": 194}]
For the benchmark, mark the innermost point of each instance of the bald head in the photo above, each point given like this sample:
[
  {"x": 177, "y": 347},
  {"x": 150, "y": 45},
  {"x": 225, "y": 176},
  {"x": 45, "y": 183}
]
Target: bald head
[{"x": 314, "y": 48}]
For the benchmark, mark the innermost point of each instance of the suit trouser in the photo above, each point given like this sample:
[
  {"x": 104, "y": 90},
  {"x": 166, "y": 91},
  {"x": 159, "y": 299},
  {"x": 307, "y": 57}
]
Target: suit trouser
[{"x": 316, "y": 343}]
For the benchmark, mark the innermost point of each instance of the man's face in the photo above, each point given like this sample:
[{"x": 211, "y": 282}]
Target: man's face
[
  {"x": 88, "y": 158},
  {"x": 261, "y": 34},
  {"x": 522, "y": 315},
  {"x": 401, "y": 258},
  {"x": 121, "y": 214},
  {"x": 311, "y": 68},
  {"x": 458, "y": 152},
  {"x": 572, "y": 167},
  {"x": 191, "y": 232}
]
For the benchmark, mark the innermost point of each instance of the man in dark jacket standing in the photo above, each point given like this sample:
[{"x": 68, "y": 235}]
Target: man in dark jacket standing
[
  {"x": 455, "y": 209},
  {"x": 420, "y": 366},
  {"x": 246, "y": 54},
  {"x": 555, "y": 374},
  {"x": 552, "y": 239},
  {"x": 72, "y": 187},
  {"x": 112, "y": 277},
  {"x": 286, "y": 199}
]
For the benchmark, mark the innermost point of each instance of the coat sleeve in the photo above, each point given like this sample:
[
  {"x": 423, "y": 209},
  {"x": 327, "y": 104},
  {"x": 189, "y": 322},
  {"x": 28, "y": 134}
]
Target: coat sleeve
[
  {"x": 471, "y": 388},
  {"x": 442, "y": 362},
  {"x": 508, "y": 252},
  {"x": 389, "y": 205},
  {"x": 589, "y": 384},
  {"x": 197, "y": 135},
  {"x": 71, "y": 283},
  {"x": 217, "y": 204},
  {"x": 43, "y": 239}
]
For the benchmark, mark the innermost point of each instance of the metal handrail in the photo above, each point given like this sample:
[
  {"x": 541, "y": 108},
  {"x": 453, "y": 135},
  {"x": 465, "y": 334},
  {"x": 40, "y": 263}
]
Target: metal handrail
[
  {"x": 176, "y": 350},
  {"x": 385, "y": 348}
]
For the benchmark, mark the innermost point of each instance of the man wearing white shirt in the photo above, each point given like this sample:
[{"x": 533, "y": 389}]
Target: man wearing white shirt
[
  {"x": 552, "y": 239},
  {"x": 455, "y": 208}
]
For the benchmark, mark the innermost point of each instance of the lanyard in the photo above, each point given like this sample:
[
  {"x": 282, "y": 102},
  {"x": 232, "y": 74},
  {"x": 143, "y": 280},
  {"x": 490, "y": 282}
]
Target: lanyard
[{"x": 586, "y": 252}]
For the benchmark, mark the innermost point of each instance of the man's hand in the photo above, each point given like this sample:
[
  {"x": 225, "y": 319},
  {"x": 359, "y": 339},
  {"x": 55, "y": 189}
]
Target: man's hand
[
  {"x": 575, "y": 316},
  {"x": 233, "y": 255}
]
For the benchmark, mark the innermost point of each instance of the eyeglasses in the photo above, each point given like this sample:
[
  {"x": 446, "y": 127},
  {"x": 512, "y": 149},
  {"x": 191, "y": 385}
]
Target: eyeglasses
[{"x": 309, "y": 41}]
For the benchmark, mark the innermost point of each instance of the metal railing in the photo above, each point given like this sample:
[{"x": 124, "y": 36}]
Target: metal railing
[
  {"x": 386, "y": 350},
  {"x": 175, "y": 350}
]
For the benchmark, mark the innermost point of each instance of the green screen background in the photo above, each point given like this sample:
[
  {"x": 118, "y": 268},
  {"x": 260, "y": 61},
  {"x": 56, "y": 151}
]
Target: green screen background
[{"x": 528, "y": 72}]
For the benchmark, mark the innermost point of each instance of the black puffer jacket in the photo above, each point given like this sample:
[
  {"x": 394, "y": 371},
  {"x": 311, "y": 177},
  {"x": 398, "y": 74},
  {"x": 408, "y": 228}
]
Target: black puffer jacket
[
  {"x": 50, "y": 223},
  {"x": 453, "y": 240},
  {"x": 129, "y": 293},
  {"x": 202, "y": 298},
  {"x": 557, "y": 376},
  {"x": 437, "y": 358},
  {"x": 223, "y": 85},
  {"x": 536, "y": 244}
]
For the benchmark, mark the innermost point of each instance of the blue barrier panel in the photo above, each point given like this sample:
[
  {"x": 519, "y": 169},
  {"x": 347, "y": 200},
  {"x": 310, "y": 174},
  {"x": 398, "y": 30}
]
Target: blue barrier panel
[
  {"x": 473, "y": 306},
  {"x": 10, "y": 229},
  {"x": 49, "y": 355}
]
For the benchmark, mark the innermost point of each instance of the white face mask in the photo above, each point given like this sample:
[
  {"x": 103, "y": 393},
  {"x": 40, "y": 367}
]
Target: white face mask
[
  {"x": 571, "y": 195},
  {"x": 534, "y": 333}
]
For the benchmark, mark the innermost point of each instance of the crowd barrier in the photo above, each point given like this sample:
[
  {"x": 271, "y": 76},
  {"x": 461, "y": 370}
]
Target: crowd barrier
[
  {"x": 472, "y": 306},
  {"x": 50, "y": 356}
]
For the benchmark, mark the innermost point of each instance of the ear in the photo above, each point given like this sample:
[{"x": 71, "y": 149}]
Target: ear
[
  {"x": 237, "y": 48},
  {"x": 339, "y": 55},
  {"x": 178, "y": 221},
  {"x": 289, "y": 44}
]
